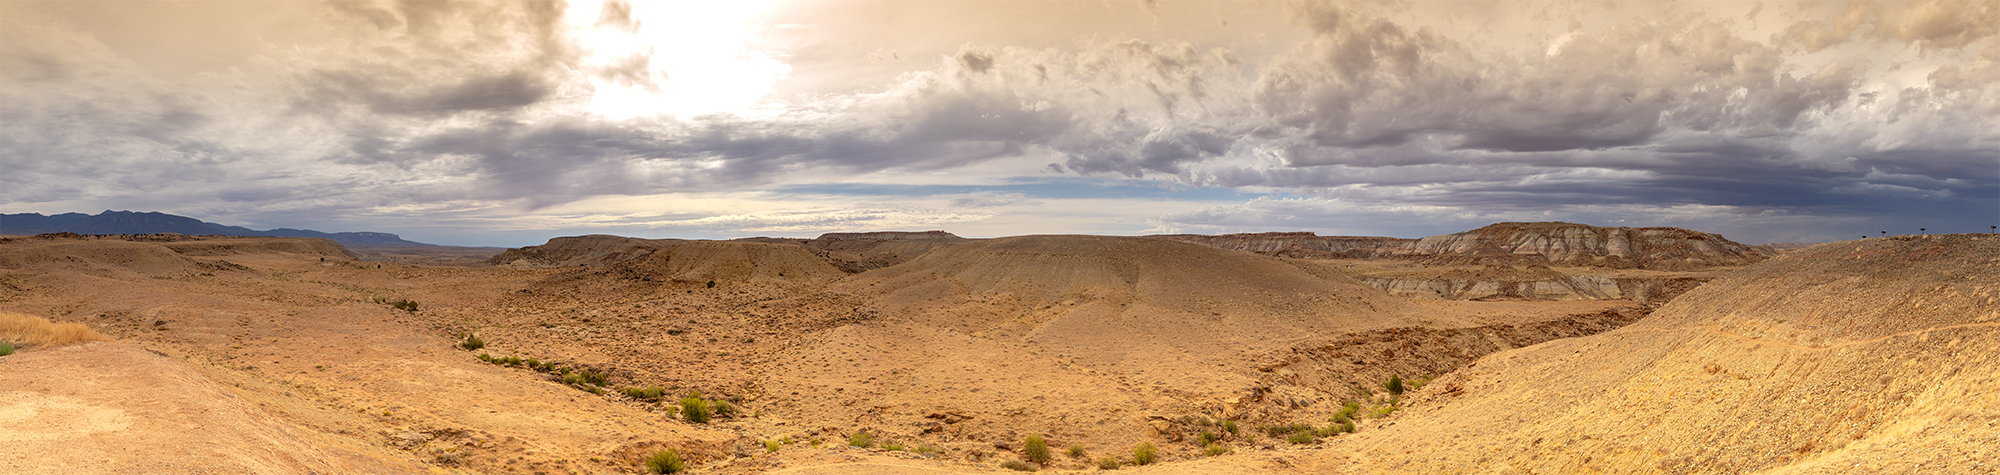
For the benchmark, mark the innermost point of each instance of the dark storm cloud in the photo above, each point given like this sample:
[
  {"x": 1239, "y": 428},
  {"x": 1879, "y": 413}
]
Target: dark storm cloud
[{"x": 446, "y": 102}]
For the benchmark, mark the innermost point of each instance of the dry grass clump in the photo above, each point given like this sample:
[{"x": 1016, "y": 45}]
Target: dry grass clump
[{"x": 34, "y": 332}]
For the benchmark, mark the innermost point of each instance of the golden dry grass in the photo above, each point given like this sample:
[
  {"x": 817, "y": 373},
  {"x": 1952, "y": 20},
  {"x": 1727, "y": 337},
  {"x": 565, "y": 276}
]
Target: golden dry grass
[{"x": 35, "y": 332}]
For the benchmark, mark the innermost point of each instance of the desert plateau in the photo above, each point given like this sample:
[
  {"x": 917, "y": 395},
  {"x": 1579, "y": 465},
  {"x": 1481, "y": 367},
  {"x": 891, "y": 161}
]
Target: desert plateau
[{"x": 1516, "y": 348}]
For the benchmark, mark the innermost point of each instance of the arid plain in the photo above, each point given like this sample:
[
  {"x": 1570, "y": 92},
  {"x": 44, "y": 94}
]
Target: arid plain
[{"x": 1516, "y": 348}]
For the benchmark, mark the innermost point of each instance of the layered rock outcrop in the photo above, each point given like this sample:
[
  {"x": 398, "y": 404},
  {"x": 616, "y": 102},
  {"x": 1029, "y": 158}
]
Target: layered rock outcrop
[
  {"x": 1298, "y": 244},
  {"x": 1569, "y": 244}
]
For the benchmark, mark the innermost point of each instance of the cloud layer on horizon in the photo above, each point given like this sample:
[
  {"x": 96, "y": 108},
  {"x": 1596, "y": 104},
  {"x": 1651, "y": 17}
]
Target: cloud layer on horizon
[{"x": 452, "y": 117}]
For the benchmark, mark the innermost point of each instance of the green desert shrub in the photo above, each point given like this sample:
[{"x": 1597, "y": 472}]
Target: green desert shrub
[
  {"x": 1108, "y": 463},
  {"x": 892, "y": 446},
  {"x": 665, "y": 461},
  {"x": 1145, "y": 454},
  {"x": 1017, "y": 466},
  {"x": 1214, "y": 450},
  {"x": 1207, "y": 437},
  {"x": 406, "y": 305},
  {"x": 771, "y": 446},
  {"x": 1037, "y": 450},
  {"x": 6, "y": 348},
  {"x": 1395, "y": 385},
  {"x": 1305, "y": 437},
  {"x": 472, "y": 342},
  {"x": 722, "y": 409},
  {"x": 1076, "y": 451},
  {"x": 861, "y": 439},
  {"x": 647, "y": 393},
  {"x": 694, "y": 409},
  {"x": 1230, "y": 427}
]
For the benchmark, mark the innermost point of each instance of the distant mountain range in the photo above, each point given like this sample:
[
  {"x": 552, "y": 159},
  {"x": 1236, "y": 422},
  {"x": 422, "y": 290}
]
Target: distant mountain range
[{"x": 127, "y": 222}]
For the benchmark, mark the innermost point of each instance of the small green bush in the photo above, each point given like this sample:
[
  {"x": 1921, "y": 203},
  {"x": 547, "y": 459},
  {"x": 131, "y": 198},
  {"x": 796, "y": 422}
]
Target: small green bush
[
  {"x": 1395, "y": 385},
  {"x": 647, "y": 393},
  {"x": 1208, "y": 438},
  {"x": 1108, "y": 463},
  {"x": 472, "y": 342},
  {"x": 665, "y": 461},
  {"x": 892, "y": 446},
  {"x": 926, "y": 450},
  {"x": 6, "y": 348},
  {"x": 1145, "y": 454},
  {"x": 1076, "y": 451},
  {"x": 1214, "y": 450},
  {"x": 1230, "y": 427},
  {"x": 1017, "y": 466},
  {"x": 1347, "y": 427},
  {"x": 723, "y": 409},
  {"x": 406, "y": 305},
  {"x": 694, "y": 409},
  {"x": 861, "y": 439},
  {"x": 1037, "y": 450},
  {"x": 1300, "y": 438},
  {"x": 771, "y": 446}
]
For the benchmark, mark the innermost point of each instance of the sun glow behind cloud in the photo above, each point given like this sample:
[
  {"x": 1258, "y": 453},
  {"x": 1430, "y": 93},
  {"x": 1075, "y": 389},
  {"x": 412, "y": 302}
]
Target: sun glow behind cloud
[{"x": 679, "y": 58}]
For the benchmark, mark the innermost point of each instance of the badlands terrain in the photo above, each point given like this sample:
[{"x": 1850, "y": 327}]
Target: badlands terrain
[{"x": 1518, "y": 348}]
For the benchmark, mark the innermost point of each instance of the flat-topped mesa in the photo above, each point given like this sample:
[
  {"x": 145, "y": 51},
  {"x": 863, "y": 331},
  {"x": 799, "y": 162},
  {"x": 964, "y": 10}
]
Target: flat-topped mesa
[
  {"x": 1570, "y": 244},
  {"x": 1296, "y": 244},
  {"x": 892, "y": 236}
]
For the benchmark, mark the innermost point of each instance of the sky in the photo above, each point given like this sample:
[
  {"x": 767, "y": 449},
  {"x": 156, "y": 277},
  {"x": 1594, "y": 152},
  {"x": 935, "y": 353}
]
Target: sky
[{"x": 507, "y": 123}]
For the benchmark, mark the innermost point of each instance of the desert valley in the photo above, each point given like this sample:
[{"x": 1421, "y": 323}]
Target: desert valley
[{"x": 1513, "y": 348}]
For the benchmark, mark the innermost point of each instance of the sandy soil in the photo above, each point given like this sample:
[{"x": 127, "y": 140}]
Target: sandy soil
[{"x": 292, "y": 358}]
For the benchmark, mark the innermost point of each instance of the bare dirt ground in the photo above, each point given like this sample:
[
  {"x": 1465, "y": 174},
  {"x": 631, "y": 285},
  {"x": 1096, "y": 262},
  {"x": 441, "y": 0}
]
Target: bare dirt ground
[{"x": 291, "y": 357}]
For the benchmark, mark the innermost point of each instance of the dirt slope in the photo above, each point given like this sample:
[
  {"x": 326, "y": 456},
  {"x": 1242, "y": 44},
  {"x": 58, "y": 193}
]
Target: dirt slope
[
  {"x": 1102, "y": 299},
  {"x": 571, "y": 251},
  {"x": 732, "y": 261},
  {"x": 1873, "y": 356},
  {"x": 112, "y": 408},
  {"x": 91, "y": 256},
  {"x": 307, "y": 342}
]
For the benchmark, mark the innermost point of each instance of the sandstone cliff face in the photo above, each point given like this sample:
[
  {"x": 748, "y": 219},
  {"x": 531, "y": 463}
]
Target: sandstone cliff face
[{"x": 1583, "y": 245}]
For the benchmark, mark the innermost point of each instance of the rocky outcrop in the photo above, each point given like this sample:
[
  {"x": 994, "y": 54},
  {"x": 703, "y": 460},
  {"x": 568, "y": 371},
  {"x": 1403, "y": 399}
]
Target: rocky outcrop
[
  {"x": 589, "y": 250},
  {"x": 891, "y": 236},
  {"x": 1568, "y": 244},
  {"x": 1297, "y": 244},
  {"x": 1519, "y": 244},
  {"x": 1498, "y": 282}
]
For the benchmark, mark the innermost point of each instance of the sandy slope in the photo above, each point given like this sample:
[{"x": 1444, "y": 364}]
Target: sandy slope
[
  {"x": 1875, "y": 356},
  {"x": 1873, "y": 353},
  {"x": 114, "y": 408}
]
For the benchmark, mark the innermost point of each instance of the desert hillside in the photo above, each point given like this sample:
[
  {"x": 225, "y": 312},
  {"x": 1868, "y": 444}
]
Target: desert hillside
[
  {"x": 1516, "y": 261},
  {"x": 1871, "y": 356},
  {"x": 576, "y": 357}
]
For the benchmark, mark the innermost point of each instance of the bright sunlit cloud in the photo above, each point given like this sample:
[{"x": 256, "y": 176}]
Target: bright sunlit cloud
[{"x": 682, "y": 58}]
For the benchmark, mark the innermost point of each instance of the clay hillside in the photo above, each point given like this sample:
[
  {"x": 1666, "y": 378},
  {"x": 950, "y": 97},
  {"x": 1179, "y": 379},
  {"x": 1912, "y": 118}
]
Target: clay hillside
[
  {"x": 1517, "y": 261},
  {"x": 863, "y": 353}
]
